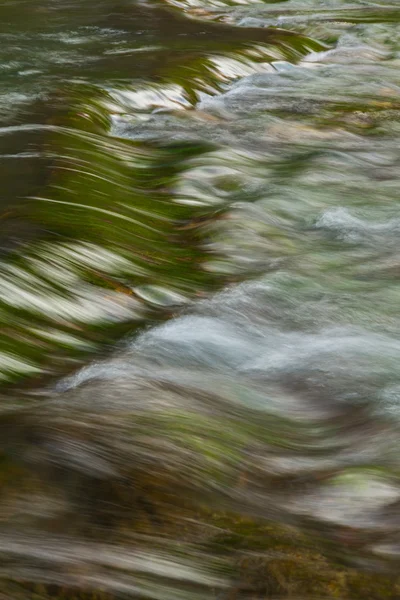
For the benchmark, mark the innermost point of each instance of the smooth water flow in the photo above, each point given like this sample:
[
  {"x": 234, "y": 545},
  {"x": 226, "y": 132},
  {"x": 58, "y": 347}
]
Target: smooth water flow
[{"x": 199, "y": 299}]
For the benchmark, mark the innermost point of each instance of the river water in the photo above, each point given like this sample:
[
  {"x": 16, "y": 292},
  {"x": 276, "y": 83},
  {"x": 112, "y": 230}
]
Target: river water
[{"x": 199, "y": 299}]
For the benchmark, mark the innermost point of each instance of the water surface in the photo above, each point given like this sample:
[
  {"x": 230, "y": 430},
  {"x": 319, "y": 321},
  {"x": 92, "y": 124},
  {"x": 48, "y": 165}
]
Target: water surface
[{"x": 199, "y": 298}]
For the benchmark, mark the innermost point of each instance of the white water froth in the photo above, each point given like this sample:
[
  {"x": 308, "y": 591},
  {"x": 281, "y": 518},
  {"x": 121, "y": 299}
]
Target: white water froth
[
  {"x": 347, "y": 227},
  {"x": 253, "y": 334}
]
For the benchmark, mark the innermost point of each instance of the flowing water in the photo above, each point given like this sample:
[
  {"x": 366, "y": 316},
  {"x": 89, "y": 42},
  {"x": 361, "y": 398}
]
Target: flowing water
[{"x": 199, "y": 299}]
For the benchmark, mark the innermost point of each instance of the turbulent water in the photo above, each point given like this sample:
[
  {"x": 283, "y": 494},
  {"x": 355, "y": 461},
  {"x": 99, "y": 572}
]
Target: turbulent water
[{"x": 199, "y": 299}]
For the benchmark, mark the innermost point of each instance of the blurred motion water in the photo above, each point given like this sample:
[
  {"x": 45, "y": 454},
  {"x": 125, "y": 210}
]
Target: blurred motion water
[{"x": 199, "y": 299}]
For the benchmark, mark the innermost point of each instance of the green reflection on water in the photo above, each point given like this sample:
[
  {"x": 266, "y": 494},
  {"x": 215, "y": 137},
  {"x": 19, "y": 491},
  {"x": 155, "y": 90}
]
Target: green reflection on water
[{"x": 104, "y": 244}]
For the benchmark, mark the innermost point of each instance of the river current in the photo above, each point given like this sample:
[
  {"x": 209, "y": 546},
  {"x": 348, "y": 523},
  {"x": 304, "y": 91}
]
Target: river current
[{"x": 199, "y": 299}]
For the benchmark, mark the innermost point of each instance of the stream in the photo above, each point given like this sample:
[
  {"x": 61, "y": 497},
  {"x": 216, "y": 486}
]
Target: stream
[{"x": 199, "y": 299}]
